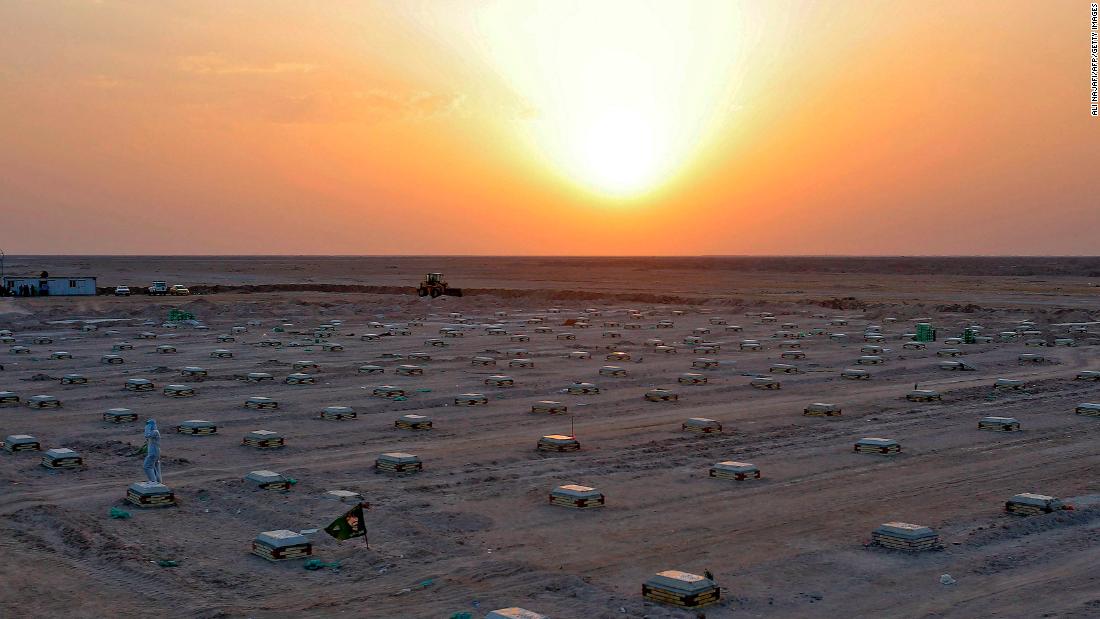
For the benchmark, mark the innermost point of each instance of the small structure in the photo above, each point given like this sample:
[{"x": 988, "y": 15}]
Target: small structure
[
  {"x": 268, "y": 480},
  {"x": 388, "y": 391},
  {"x": 259, "y": 402},
  {"x": 263, "y": 439},
  {"x": 408, "y": 371},
  {"x": 8, "y": 398},
  {"x": 558, "y": 442},
  {"x": 999, "y": 424},
  {"x": 618, "y": 356},
  {"x": 300, "y": 378},
  {"x": 875, "y": 445},
  {"x": 119, "y": 415},
  {"x": 566, "y": 336},
  {"x": 914, "y": 345},
  {"x": 281, "y": 545},
  {"x": 792, "y": 354},
  {"x": 259, "y": 377},
  {"x": 576, "y": 497},
  {"x": 822, "y": 409},
  {"x": 500, "y": 380},
  {"x": 923, "y": 395},
  {"x": 705, "y": 363},
  {"x": 949, "y": 352},
  {"x": 870, "y": 360},
  {"x": 419, "y": 356},
  {"x": 74, "y": 379},
  {"x": 1028, "y": 357},
  {"x": 1028, "y": 504},
  {"x": 550, "y": 407},
  {"x": 483, "y": 361},
  {"x": 371, "y": 369},
  {"x": 612, "y": 370},
  {"x": 783, "y": 368},
  {"x": 197, "y": 427},
  {"x": 750, "y": 345},
  {"x": 738, "y": 471},
  {"x": 691, "y": 378},
  {"x": 681, "y": 589},
  {"x": 521, "y": 363},
  {"x": 61, "y": 354},
  {"x": 150, "y": 494},
  {"x": 855, "y": 374},
  {"x": 344, "y": 496},
  {"x": 194, "y": 372},
  {"x": 701, "y": 425},
  {"x": 398, "y": 462},
  {"x": 764, "y": 382},
  {"x": 956, "y": 366},
  {"x": 305, "y": 364},
  {"x": 905, "y": 536},
  {"x": 41, "y": 339},
  {"x": 1008, "y": 384},
  {"x": 61, "y": 458},
  {"x": 661, "y": 395},
  {"x": 120, "y": 346},
  {"x": 413, "y": 422},
  {"x": 221, "y": 353},
  {"x": 1092, "y": 375},
  {"x": 665, "y": 350},
  {"x": 166, "y": 349},
  {"x": 43, "y": 401},
  {"x": 225, "y": 338},
  {"x": 19, "y": 350},
  {"x": 580, "y": 354},
  {"x": 337, "y": 413},
  {"x": 1089, "y": 409},
  {"x": 112, "y": 359},
  {"x": 179, "y": 391},
  {"x": 21, "y": 442},
  {"x": 330, "y": 347},
  {"x": 515, "y": 612},
  {"x": 471, "y": 399},
  {"x": 582, "y": 388}
]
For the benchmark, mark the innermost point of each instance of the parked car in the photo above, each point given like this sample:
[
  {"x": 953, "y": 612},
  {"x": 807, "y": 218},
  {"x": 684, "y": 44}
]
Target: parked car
[
  {"x": 158, "y": 288},
  {"x": 179, "y": 290},
  {"x": 122, "y": 291}
]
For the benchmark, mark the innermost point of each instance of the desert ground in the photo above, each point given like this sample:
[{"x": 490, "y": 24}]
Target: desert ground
[{"x": 473, "y": 531}]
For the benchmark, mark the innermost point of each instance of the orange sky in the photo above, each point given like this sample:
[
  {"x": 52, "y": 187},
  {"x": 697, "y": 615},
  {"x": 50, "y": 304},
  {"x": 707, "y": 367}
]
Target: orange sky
[{"x": 514, "y": 127}]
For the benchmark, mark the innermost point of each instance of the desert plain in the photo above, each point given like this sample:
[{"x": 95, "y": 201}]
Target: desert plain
[{"x": 473, "y": 531}]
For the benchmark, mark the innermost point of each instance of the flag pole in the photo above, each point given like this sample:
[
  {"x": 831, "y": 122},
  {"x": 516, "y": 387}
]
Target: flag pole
[{"x": 365, "y": 507}]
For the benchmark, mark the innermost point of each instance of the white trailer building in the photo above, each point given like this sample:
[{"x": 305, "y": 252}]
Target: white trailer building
[{"x": 27, "y": 286}]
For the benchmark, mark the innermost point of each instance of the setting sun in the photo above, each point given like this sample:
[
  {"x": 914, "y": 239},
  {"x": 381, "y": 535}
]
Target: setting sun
[{"x": 621, "y": 99}]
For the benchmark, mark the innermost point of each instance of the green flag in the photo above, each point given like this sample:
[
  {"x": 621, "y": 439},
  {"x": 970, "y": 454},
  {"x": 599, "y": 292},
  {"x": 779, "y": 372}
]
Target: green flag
[{"x": 351, "y": 524}]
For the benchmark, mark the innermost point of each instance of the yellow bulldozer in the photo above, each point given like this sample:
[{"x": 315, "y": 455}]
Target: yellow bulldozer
[{"x": 434, "y": 286}]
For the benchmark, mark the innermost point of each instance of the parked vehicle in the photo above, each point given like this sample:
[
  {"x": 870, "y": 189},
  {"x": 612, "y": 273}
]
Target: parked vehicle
[{"x": 122, "y": 291}]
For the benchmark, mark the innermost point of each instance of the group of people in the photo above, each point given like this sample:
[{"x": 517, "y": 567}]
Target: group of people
[{"x": 27, "y": 290}]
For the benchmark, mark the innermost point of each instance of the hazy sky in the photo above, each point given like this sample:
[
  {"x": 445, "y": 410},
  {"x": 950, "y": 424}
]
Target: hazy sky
[{"x": 558, "y": 127}]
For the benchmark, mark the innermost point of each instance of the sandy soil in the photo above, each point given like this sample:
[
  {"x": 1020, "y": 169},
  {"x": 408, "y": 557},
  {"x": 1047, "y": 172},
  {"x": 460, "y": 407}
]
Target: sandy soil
[{"x": 475, "y": 521}]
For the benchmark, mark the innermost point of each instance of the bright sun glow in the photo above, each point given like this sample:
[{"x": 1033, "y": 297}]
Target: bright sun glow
[{"x": 623, "y": 93}]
